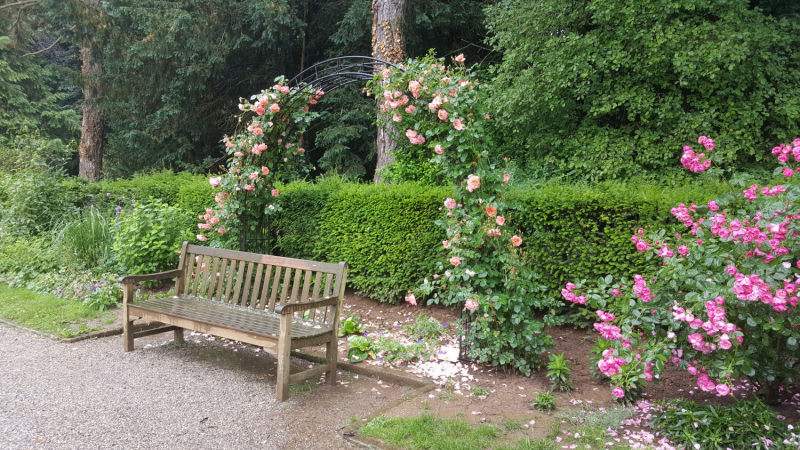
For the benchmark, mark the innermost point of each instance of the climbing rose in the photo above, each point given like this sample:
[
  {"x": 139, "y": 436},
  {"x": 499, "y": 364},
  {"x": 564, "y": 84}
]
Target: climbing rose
[
  {"x": 455, "y": 260},
  {"x": 723, "y": 389},
  {"x": 442, "y": 114},
  {"x": 274, "y": 107},
  {"x": 200, "y": 237},
  {"x": 618, "y": 392},
  {"x": 458, "y": 124},
  {"x": 264, "y": 170},
  {"x": 410, "y": 109},
  {"x": 215, "y": 181},
  {"x": 493, "y": 232},
  {"x": 446, "y": 244},
  {"x": 248, "y": 187},
  {"x": 221, "y": 230},
  {"x": 471, "y": 305},
  {"x": 411, "y": 299},
  {"x": 506, "y": 177},
  {"x": 491, "y": 211},
  {"x": 473, "y": 182},
  {"x": 397, "y": 117},
  {"x": 450, "y": 203},
  {"x": 516, "y": 241},
  {"x": 460, "y": 58},
  {"x": 500, "y": 220},
  {"x": 438, "y": 149},
  {"x": 274, "y": 192},
  {"x": 253, "y": 176}
]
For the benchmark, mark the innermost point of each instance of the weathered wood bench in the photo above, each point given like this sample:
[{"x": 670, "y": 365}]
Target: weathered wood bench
[{"x": 258, "y": 299}]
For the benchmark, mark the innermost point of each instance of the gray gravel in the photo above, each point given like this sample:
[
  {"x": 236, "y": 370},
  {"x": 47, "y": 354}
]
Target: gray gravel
[{"x": 204, "y": 395}]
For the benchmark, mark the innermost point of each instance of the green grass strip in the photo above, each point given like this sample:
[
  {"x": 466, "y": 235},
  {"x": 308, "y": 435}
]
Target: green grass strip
[
  {"x": 46, "y": 312},
  {"x": 430, "y": 433}
]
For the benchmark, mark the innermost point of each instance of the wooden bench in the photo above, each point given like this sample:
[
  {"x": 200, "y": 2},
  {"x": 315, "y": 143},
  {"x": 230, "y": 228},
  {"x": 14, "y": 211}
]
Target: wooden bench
[{"x": 280, "y": 304}]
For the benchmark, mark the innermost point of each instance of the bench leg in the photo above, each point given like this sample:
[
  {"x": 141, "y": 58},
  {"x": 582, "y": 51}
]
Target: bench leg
[
  {"x": 332, "y": 355},
  {"x": 127, "y": 332},
  {"x": 284, "y": 361},
  {"x": 178, "y": 336}
]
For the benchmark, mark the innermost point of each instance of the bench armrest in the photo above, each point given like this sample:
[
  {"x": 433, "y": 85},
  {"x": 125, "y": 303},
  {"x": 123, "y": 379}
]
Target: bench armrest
[
  {"x": 130, "y": 279},
  {"x": 294, "y": 307}
]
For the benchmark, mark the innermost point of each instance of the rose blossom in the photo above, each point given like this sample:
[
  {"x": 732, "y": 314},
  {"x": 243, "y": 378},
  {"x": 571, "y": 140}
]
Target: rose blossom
[
  {"x": 442, "y": 114},
  {"x": 248, "y": 187},
  {"x": 446, "y": 244},
  {"x": 506, "y": 177},
  {"x": 411, "y": 299},
  {"x": 516, "y": 241},
  {"x": 274, "y": 192},
  {"x": 490, "y": 210},
  {"x": 493, "y": 232},
  {"x": 460, "y": 57},
  {"x": 200, "y": 237},
  {"x": 274, "y": 107},
  {"x": 473, "y": 182},
  {"x": 618, "y": 392},
  {"x": 455, "y": 260},
  {"x": 450, "y": 203},
  {"x": 500, "y": 220},
  {"x": 471, "y": 305},
  {"x": 438, "y": 149},
  {"x": 458, "y": 124}
]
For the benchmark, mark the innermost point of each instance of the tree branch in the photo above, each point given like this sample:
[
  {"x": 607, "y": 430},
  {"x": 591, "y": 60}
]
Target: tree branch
[
  {"x": 44, "y": 49},
  {"x": 22, "y": 3}
]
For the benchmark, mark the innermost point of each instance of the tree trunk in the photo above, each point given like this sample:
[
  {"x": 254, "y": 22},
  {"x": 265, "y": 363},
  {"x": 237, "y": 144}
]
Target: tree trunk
[
  {"x": 388, "y": 44},
  {"x": 90, "y": 150}
]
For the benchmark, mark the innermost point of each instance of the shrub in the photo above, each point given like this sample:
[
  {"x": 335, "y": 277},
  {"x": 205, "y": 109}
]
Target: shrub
[
  {"x": 149, "y": 235},
  {"x": 87, "y": 237}
]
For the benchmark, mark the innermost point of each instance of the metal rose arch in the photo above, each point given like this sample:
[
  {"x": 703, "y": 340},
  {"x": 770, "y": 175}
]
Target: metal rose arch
[
  {"x": 328, "y": 76},
  {"x": 334, "y": 73}
]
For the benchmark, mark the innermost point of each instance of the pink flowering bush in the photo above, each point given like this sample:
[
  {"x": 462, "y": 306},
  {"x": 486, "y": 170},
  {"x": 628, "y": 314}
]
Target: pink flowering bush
[
  {"x": 265, "y": 151},
  {"x": 724, "y": 303},
  {"x": 437, "y": 112}
]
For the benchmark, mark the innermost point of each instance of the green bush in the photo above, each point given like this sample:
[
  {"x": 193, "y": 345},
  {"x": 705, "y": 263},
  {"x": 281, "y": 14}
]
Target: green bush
[
  {"x": 194, "y": 195},
  {"x": 148, "y": 236},
  {"x": 87, "y": 237}
]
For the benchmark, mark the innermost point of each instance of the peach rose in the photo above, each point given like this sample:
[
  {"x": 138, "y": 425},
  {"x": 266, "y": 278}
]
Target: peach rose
[
  {"x": 500, "y": 220},
  {"x": 274, "y": 107},
  {"x": 455, "y": 260},
  {"x": 516, "y": 241},
  {"x": 490, "y": 210},
  {"x": 473, "y": 182}
]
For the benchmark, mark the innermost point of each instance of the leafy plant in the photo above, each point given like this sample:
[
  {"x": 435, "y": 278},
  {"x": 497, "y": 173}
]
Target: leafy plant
[
  {"x": 351, "y": 325},
  {"x": 391, "y": 350},
  {"x": 543, "y": 401},
  {"x": 743, "y": 425},
  {"x": 360, "y": 348},
  {"x": 104, "y": 295},
  {"x": 558, "y": 372},
  {"x": 424, "y": 327},
  {"x": 480, "y": 391},
  {"x": 88, "y": 237},
  {"x": 149, "y": 236}
]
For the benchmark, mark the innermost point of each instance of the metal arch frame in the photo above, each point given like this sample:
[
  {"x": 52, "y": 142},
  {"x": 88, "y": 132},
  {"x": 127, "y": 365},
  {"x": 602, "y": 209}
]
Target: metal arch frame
[{"x": 334, "y": 73}]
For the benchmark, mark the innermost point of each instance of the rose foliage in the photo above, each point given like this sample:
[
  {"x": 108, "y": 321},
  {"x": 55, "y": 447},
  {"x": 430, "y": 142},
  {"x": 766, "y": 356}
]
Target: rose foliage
[
  {"x": 265, "y": 150},
  {"x": 439, "y": 111},
  {"x": 724, "y": 304}
]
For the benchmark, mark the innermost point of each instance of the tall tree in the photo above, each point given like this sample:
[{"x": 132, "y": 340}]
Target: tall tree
[
  {"x": 388, "y": 44},
  {"x": 90, "y": 150}
]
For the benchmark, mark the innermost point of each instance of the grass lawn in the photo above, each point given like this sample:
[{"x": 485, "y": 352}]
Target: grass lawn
[{"x": 46, "y": 312}]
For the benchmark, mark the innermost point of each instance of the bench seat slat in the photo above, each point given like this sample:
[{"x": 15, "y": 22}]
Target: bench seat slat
[{"x": 227, "y": 316}]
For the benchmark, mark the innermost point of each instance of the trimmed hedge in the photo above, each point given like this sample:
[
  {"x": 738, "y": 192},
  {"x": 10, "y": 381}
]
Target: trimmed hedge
[{"x": 388, "y": 236}]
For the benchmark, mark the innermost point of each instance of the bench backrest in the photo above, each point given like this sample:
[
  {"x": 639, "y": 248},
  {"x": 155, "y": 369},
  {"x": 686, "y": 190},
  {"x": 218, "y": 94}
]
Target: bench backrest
[{"x": 259, "y": 281}]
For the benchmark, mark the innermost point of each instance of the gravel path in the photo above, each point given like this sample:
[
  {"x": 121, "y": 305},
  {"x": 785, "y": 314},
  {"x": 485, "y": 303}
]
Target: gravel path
[{"x": 204, "y": 395}]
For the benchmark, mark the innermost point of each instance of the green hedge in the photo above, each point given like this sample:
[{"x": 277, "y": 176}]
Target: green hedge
[
  {"x": 386, "y": 233},
  {"x": 388, "y": 236}
]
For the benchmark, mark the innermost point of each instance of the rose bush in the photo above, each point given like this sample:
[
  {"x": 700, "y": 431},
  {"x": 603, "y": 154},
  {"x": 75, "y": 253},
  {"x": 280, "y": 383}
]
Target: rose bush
[
  {"x": 266, "y": 150},
  {"x": 724, "y": 304},
  {"x": 438, "y": 114}
]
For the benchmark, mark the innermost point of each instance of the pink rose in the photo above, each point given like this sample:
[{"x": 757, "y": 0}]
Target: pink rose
[
  {"x": 200, "y": 237},
  {"x": 253, "y": 175},
  {"x": 238, "y": 154},
  {"x": 473, "y": 182},
  {"x": 264, "y": 170},
  {"x": 274, "y": 192},
  {"x": 723, "y": 389},
  {"x": 274, "y": 107},
  {"x": 215, "y": 181},
  {"x": 397, "y": 117},
  {"x": 500, "y": 220},
  {"x": 438, "y": 149},
  {"x": 446, "y": 244},
  {"x": 458, "y": 124},
  {"x": 516, "y": 241},
  {"x": 493, "y": 232},
  {"x": 450, "y": 203},
  {"x": 455, "y": 260},
  {"x": 618, "y": 392},
  {"x": 471, "y": 305},
  {"x": 248, "y": 187},
  {"x": 490, "y": 210},
  {"x": 442, "y": 114},
  {"x": 506, "y": 177},
  {"x": 411, "y": 299},
  {"x": 460, "y": 58}
]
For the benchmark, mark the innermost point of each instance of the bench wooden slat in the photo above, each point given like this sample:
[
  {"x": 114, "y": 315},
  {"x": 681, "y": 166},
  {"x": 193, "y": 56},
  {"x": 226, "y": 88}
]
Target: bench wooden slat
[
  {"x": 230, "y": 278},
  {"x": 205, "y": 272},
  {"x": 257, "y": 283},
  {"x": 213, "y": 279},
  {"x": 315, "y": 293},
  {"x": 181, "y": 264},
  {"x": 282, "y": 298},
  {"x": 245, "y": 296},
  {"x": 223, "y": 275},
  {"x": 298, "y": 278},
  {"x": 188, "y": 278},
  {"x": 263, "y": 303},
  {"x": 274, "y": 295},
  {"x": 326, "y": 293},
  {"x": 236, "y": 297},
  {"x": 264, "y": 259}
]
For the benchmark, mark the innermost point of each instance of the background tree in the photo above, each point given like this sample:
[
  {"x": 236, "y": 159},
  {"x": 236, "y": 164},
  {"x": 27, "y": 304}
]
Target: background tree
[{"x": 605, "y": 89}]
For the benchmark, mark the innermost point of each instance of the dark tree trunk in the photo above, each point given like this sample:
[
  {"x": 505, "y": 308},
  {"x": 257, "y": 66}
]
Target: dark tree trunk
[
  {"x": 90, "y": 150},
  {"x": 388, "y": 44}
]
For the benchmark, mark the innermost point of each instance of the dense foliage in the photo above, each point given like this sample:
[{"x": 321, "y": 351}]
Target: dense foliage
[{"x": 604, "y": 89}]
